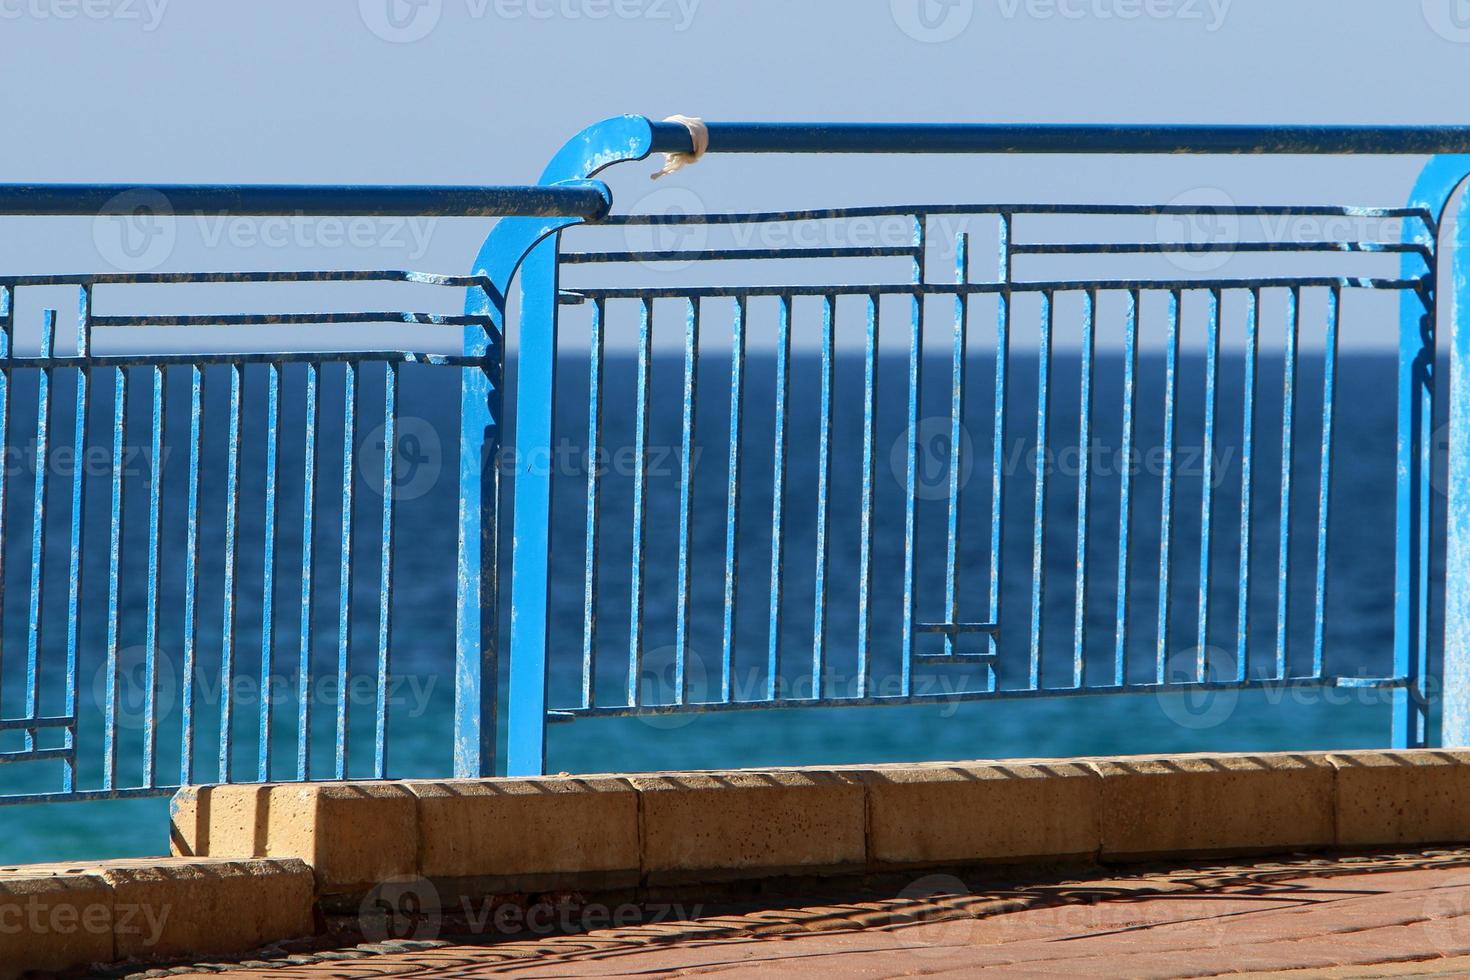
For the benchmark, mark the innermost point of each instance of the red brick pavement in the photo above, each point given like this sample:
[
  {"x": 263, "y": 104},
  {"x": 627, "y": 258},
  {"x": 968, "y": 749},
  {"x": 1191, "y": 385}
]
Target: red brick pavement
[{"x": 1382, "y": 915}]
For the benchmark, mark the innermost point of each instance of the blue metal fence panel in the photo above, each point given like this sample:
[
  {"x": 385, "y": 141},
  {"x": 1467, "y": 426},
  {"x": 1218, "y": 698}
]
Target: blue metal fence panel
[
  {"x": 1229, "y": 666},
  {"x": 189, "y": 552},
  {"x": 1327, "y": 292},
  {"x": 744, "y": 574}
]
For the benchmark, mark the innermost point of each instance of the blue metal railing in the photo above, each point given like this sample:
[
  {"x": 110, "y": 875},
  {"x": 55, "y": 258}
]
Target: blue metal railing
[
  {"x": 539, "y": 642},
  {"x": 696, "y": 301},
  {"x": 807, "y": 578},
  {"x": 227, "y": 497}
]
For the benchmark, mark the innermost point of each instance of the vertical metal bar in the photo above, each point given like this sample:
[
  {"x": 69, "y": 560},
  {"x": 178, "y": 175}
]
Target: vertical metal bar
[
  {"x": 114, "y": 579},
  {"x": 305, "y": 679},
  {"x": 1207, "y": 483},
  {"x": 190, "y": 637},
  {"x": 778, "y": 497},
  {"x": 7, "y": 351},
  {"x": 1288, "y": 448},
  {"x": 385, "y": 569},
  {"x": 344, "y": 580},
  {"x": 78, "y": 501},
  {"x": 268, "y": 563},
  {"x": 1084, "y": 487},
  {"x": 956, "y": 433},
  {"x": 1038, "y": 514},
  {"x": 997, "y": 459},
  {"x": 686, "y": 499},
  {"x": 868, "y": 526},
  {"x": 911, "y": 464},
  {"x": 1166, "y": 484},
  {"x": 824, "y": 492},
  {"x": 476, "y": 617},
  {"x": 1324, "y": 488},
  {"x": 1411, "y": 702},
  {"x": 1418, "y": 345},
  {"x": 38, "y": 527},
  {"x": 1125, "y": 485},
  {"x": 231, "y": 568},
  {"x": 732, "y": 494},
  {"x": 594, "y": 503},
  {"x": 150, "y": 641},
  {"x": 640, "y": 500},
  {"x": 1247, "y": 456}
]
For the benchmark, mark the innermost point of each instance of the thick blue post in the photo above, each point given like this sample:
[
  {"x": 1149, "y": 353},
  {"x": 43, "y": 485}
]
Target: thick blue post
[
  {"x": 529, "y": 245},
  {"x": 1452, "y": 300},
  {"x": 525, "y": 749},
  {"x": 1420, "y": 314}
]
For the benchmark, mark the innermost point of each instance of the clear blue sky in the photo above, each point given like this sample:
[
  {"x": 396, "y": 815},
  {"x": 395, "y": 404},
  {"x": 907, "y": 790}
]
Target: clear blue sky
[
  {"x": 280, "y": 90},
  {"x": 449, "y": 91}
]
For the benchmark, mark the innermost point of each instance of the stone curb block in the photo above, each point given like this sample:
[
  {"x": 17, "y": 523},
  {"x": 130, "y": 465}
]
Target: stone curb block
[
  {"x": 204, "y": 907},
  {"x": 697, "y": 825},
  {"x": 585, "y": 828},
  {"x": 230, "y": 820},
  {"x": 1004, "y": 812},
  {"x": 71, "y": 915},
  {"x": 53, "y": 921},
  {"x": 1163, "y": 806},
  {"x": 353, "y": 835},
  {"x": 1410, "y": 797}
]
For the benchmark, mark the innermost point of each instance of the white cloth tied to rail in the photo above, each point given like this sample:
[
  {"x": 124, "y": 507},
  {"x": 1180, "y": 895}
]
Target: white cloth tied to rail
[{"x": 698, "y": 135}]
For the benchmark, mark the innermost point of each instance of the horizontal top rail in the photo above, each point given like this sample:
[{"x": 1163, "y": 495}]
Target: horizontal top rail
[
  {"x": 1098, "y": 210},
  {"x": 240, "y": 278},
  {"x": 581, "y": 293},
  {"x": 583, "y": 199},
  {"x": 742, "y": 137}
]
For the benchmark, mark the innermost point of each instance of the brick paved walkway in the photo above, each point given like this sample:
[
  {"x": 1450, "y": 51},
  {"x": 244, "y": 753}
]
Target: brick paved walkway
[{"x": 1380, "y": 915}]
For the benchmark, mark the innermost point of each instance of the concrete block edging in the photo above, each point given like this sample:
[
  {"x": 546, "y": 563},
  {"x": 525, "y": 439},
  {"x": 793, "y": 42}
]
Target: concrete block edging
[
  {"x": 257, "y": 862},
  {"x": 609, "y": 832},
  {"x": 56, "y": 917}
]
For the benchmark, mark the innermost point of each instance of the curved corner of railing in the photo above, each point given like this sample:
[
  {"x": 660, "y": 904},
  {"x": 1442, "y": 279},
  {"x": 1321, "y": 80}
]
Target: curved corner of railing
[{"x": 619, "y": 139}]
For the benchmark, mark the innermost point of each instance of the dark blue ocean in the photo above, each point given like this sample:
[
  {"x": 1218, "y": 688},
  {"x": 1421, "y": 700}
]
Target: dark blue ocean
[{"x": 1357, "y": 638}]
